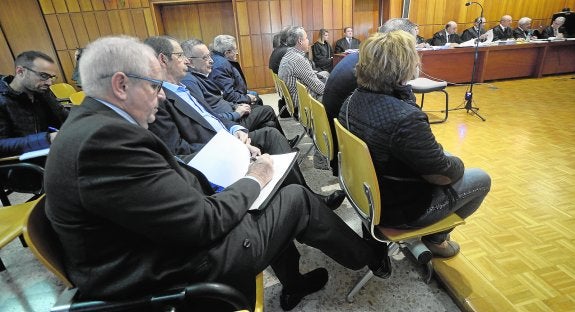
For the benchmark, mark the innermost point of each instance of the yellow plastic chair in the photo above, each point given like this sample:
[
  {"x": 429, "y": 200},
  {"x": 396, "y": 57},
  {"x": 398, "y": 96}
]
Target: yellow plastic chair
[
  {"x": 45, "y": 245},
  {"x": 275, "y": 79},
  {"x": 12, "y": 221},
  {"x": 62, "y": 91},
  {"x": 322, "y": 136},
  {"x": 304, "y": 105},
  {"x": 77, "y": 97},
  {"x": 358, "y": 179},
  {"x": 290, "y": 106}
]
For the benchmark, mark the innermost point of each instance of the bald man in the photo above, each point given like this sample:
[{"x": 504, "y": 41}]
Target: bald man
[
  {"x": 447, "y": 35},
  {"x": 503, "y": 31}
]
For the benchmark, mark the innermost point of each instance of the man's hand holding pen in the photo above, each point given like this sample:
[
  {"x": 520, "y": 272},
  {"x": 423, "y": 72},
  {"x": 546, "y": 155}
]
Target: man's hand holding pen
[{"x": 261, "y": 168}]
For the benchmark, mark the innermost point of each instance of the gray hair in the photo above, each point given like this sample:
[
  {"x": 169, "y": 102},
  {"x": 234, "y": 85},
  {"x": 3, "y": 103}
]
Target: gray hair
[
  {"x": 398, "y": 24},
  {"x": 524, "y": 21},
  {"x": 108, "y": 55},
  {"x": 293, "y": 35},
  {"x": 188, "y": 46},
  {"x": 161, "y": 44},
  {"x": 560, "y": 19},
  {"x": 223, "y": 43}
]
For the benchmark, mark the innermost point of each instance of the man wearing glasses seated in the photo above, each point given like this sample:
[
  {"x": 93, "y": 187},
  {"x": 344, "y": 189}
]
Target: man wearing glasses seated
[{"x": 29, "y": 112}]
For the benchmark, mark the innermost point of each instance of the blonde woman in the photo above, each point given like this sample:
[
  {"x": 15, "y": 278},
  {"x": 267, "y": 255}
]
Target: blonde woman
[{"x": 420, "y": 183}]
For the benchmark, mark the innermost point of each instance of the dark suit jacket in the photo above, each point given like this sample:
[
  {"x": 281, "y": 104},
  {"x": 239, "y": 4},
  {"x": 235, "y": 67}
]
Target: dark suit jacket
[
  {"x": 470, "y": 33},
  {"x": 500, "y": 34},
  {"x": 439, "y": 38},
  {"x": 519, "y": 33},
  {"x": 211, "y": 94},
  {"x": 341, "y": 45},
  {"x": 276, "y": 58},
  {"x": 181, "y": 127},
  {"x": 548, "y": 32},
  {"x": 322, "y": 55},
  {"x": 131, "y": 219}
]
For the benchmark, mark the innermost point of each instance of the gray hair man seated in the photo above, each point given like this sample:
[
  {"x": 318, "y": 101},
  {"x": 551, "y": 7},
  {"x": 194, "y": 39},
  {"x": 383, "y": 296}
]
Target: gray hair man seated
[{"x": 133, "y": 220}]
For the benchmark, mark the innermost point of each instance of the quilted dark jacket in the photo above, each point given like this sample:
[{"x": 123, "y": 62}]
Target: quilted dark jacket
[
  {"x": 23, "y": 123},
  {"x": 402, "y": 146}
]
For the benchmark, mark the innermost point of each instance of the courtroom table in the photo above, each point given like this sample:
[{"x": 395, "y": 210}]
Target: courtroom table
[{"x": 499, "y": 62}]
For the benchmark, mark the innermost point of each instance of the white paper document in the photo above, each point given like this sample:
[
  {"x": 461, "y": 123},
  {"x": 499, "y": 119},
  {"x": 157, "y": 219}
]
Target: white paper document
[
  {"x": 34, "y": 154},
  {"x": 471, "y": 42},
  {"x": 225, "y": 159}
]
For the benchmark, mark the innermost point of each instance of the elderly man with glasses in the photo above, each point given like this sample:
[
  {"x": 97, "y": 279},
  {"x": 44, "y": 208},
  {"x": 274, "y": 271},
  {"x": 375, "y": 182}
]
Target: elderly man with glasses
[
  {"x": 29, "y": 112},
  {"x": 199, "y": 68},
  {"x": 133, "y": 220}
]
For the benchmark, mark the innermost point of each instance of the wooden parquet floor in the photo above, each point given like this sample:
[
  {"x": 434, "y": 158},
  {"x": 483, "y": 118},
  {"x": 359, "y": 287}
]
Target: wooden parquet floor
[{"x": 518, "y": 249}]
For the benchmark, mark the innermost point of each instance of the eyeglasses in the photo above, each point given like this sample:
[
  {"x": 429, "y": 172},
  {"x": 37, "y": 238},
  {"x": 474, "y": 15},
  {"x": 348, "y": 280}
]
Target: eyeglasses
[
  {"x": 234, "y": 51},
  {"x": 154, "y": 83},
  {"x": 42, "y": 75},
  {"x": 206, "y": 57},
  {"x": 179, "y": 55}
]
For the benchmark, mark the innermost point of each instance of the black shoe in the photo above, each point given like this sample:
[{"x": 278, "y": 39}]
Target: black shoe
[
  {"x": 320, "y": 162},
  {"x": 294, "y": 141},
  {"x": 310, "y": 283},
  {"x": 333, "y": 200},
  {"x": 381, "y": 267}
]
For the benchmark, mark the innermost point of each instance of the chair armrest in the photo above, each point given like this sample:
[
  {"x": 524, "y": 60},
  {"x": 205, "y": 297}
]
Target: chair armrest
[{"x": 181, "y": 299}]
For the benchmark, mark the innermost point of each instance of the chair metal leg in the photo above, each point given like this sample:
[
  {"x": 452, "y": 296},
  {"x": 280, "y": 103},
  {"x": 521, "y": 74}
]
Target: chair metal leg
[
  {"x": 358, "y": 286},
  {"x": 4, "y": 197},
  {"x": 281, "y": 111},
  {"x": 429, "y": 266},
  {"x": 422, "y": 99},
  {"x": 23, "y": 241},
  {"x": 305, "y": 155},
  {"x": 446, "y": 108}
]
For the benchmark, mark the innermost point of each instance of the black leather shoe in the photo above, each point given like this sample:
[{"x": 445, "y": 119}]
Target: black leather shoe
[
  {"x": 310, "y": 283},
  {"x": 294, "y": 141},
  {"x": 382, "y": 265},
  {"x": 333, "y": 200}
]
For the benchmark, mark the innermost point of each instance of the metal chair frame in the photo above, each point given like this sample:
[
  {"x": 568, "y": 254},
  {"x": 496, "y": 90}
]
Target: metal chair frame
[{"x": 368, "y": 206}]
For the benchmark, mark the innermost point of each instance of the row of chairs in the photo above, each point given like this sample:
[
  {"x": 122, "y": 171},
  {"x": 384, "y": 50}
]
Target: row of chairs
[
  {"x": 66, "y": 93},
  {"x": 358, "y": 178},
  {"x": 30, "y": 219}
]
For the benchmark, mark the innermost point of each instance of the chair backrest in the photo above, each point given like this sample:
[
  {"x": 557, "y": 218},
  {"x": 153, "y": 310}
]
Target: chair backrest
[
  {"x": 357, "y": 175},
  {"x": 304, "y": 105},
  {"x": 62, "y": 90},
  {"x": 44, "y": 243},
  {"x": 287, "y": 97},
  {"x": 19, "y": 176},
  {"x": 77, "y": 97},
  {"x": 276, "y": 84},
  {"x": 322, "y": 135}
]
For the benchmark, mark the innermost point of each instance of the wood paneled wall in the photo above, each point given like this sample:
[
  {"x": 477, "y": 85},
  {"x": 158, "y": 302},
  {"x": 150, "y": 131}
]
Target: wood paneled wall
[
  {"x": 61, "y": 26},
  {"x": 198, "y": 20},
  {"x": 74, "y": 23},
  {"x": 432, "y": 15},
  {"x": 257, "y": 22},
  {"x": 23, "y": 29}
]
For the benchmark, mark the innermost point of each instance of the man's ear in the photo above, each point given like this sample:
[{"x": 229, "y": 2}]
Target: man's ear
[
  {"x": 120, "y": 85},
  {"x": 19, "y": 70},
  {"x": 163, "y": 58}
]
